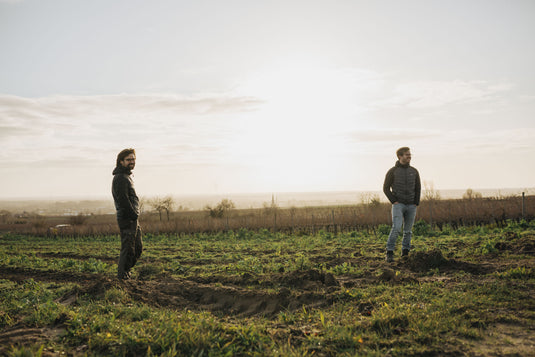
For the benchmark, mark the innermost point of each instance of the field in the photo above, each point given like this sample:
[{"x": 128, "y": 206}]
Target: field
[{"x": 462, "y": 291}]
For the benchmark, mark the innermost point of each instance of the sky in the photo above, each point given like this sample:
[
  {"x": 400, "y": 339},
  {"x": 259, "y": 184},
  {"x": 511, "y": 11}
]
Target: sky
[{"x": 246, "y": 96}]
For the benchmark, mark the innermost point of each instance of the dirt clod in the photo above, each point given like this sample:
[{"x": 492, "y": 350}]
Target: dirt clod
[
  {"x": 517, "y": 245},
  {"x": 422, "y": 261},
  {"x": 308, "y": 279}
]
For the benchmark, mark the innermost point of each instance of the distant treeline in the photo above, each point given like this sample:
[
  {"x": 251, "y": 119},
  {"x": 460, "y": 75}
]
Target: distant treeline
[{"x": 438, "y": 213}]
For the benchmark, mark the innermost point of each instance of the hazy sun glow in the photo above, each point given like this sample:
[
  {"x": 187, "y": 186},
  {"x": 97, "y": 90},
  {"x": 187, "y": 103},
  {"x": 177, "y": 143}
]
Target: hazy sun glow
[
  {"x": 264, "y": 96},
  {"x": 296, "y": 136}
]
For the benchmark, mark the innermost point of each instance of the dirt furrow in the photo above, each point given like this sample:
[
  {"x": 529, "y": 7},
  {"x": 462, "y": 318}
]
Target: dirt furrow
[{"x": 182, "y": 294}]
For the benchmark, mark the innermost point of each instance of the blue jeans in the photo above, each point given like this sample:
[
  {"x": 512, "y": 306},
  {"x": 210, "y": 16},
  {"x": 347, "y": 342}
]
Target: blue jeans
[{"x": 402, "y": 215}]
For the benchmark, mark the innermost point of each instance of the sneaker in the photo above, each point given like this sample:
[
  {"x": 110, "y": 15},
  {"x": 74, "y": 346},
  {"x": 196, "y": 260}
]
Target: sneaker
[
  {"x": 389, "y": 256},
  {"x": 405, "y": 253}
]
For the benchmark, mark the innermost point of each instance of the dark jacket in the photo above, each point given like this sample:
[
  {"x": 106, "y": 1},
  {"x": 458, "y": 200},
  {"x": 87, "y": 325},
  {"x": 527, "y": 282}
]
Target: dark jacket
[
  {"x": 124, "y": 195},
  {"x": 402, "y": 184}
]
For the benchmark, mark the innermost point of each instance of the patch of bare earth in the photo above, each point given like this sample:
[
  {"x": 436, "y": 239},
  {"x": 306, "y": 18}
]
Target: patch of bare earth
[
  {"x": 506, "y": 340},
  {"x": 175, "y": 293},
  {"x": 20, "y": 335},
  {"x": 172, "y": 293}
]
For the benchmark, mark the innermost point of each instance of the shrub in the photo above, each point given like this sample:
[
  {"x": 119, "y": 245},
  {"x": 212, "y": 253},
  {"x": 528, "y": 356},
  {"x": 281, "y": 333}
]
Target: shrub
[
  {"x": 384, "y": 229},
  {"x": 78, "y": 220},
  {"x": 421, "y": 228},
  {"x": 222, "y": 209},
  {"x": 243, "y": 233}
]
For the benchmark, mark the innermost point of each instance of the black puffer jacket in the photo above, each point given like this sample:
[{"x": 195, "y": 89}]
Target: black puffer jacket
[
  {"x": 124, "y": 195},
  {"x": 402, "y": 184}
]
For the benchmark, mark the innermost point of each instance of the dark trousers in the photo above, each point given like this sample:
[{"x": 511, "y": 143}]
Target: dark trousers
[{"x": 131, "y": 248}]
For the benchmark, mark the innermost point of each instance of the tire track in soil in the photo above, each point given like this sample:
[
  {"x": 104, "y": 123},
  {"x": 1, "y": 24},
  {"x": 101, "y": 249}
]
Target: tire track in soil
[
  {"x": 20, "y": 335},
  {"x": 175, "y": 293}
]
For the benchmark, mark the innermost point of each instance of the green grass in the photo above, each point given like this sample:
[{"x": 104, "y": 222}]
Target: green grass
[{"x": 374, "y": 308}]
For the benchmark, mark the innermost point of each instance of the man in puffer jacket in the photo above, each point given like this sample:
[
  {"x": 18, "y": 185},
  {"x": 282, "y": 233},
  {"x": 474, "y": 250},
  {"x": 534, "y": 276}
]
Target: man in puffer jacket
[
  {"x": 127, "y": 207},
  {"x": 402, "y": 187}
]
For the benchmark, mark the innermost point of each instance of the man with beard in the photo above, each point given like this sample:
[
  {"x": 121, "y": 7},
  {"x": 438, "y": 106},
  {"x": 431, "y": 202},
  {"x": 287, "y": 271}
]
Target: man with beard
[
  {"x": 402, "y": 187},
  {"x": 127, "y": 206}
]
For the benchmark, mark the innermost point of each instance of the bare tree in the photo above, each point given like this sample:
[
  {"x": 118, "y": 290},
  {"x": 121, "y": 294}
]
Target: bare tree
[
  {"x": 222, "y": 209},
  {"x": 168, "y": 204},
  {"x": 430, "y": 194},
  {"x": 370, "y": 199},
  {"x": 471, "y": 194},
  {"x": 160, "y": 204}
]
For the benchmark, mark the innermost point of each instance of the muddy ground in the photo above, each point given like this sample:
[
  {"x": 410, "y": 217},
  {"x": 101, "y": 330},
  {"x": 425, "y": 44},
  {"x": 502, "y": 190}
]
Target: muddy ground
[
  {"x": 244, "y": 295},
  {"x": 267, "y": 294}
]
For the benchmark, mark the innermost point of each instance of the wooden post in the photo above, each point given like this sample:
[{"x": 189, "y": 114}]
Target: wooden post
[
  {"x": 431, "y": 212},
  {"x": 523, "y": 205},
  {"x": 333, "y": 222}
]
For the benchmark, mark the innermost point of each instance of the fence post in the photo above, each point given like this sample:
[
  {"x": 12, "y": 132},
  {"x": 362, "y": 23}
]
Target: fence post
[
  {"x": 333, "y": 222},
  {"x": 313, "y": 226},
  {"x": 431, "y": 212},
  {"x": 523, "y": 205}
]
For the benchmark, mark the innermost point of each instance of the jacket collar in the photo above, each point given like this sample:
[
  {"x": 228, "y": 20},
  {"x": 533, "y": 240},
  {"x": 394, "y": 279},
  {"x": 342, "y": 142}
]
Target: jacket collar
[
  {"x": 398, "y": 164},
  {"x": 120, "y": 169}
]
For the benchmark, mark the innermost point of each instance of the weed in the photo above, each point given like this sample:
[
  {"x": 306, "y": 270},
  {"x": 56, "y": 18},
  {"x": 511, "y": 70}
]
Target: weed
[
  {"x": 116, "y": 296},
  {"x": 517, "y": 273},
  {"x": 421, "y": 228},
  {"x": 26, "y": 352},
  {"x": 149, "y": 271},
  {"x": 301, "y": 262},
  {"x": 384, "y": 229},
  {"x": 489, "y": 247}
]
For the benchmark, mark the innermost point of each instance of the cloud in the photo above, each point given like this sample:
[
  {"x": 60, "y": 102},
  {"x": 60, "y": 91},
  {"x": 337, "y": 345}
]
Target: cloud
[
  {"x": 501, "y": 141},
  {"x": 392, "y": 135},
  {"x": 433, "y": 94},
  {"x": 190, "y": 128},
  {"x": 68, "y": 106},
  {"x": 199, "y": 106},
  {"x": 63, "y": 112},
  {"x": 14, "y": 131}
]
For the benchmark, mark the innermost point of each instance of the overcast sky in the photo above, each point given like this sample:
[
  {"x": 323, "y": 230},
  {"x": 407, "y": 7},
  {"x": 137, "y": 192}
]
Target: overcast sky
[{"x": 264, "y": 96}]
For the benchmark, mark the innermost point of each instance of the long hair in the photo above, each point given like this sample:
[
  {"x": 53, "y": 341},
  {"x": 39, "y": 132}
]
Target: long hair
[{"x": 123, "y": 154}]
